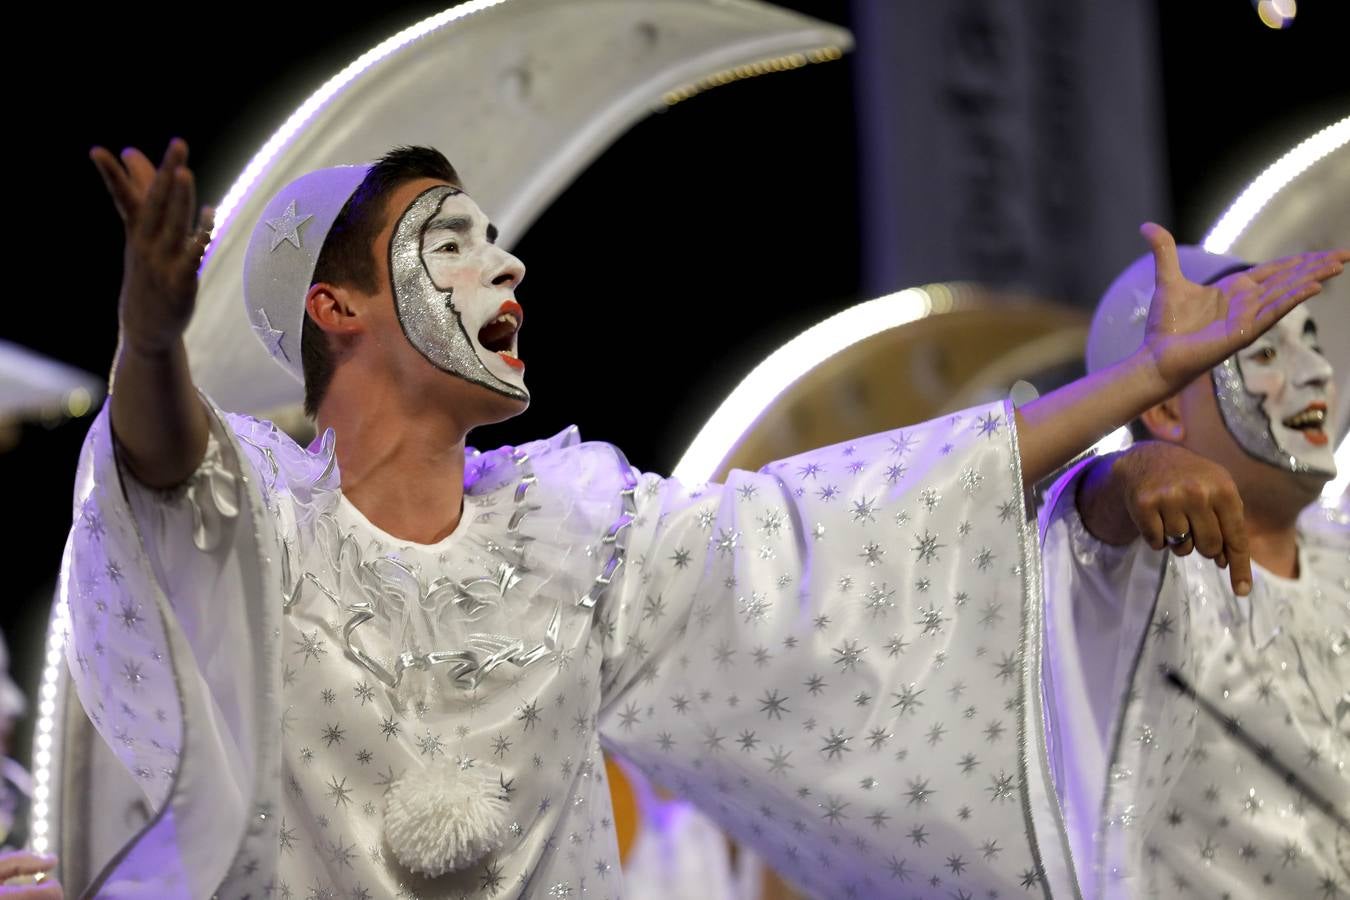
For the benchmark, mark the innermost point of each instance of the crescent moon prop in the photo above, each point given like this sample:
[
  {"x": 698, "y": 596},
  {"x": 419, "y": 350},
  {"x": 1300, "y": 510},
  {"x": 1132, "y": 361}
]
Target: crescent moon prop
[{"x": 521, "y": 95}]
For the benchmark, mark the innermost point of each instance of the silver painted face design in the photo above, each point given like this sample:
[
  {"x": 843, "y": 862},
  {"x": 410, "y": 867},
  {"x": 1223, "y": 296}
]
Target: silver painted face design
[
  {"x": 1274, "y": 397},
  {"x": 454, "y": 288}
]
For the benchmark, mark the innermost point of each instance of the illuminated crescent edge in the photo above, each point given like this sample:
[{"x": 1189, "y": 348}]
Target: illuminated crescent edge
[
  {"x": 748, "y": 401},
  {"x": 525, "y": 112},
  {"x": 1230, "y": 226}
]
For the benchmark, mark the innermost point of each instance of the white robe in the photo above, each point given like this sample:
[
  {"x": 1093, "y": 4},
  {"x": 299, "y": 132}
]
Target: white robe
[
  {"x": 1162, "y": 794},
  {"x": 830, "y": 657}
]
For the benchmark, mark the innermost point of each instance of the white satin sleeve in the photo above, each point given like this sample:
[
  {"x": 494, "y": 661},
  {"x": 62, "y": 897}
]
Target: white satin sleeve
[
  {"x": 171, "y": 649},
  {"x": 830, "y": 657},
  {"x": 1098, "y": 600}
]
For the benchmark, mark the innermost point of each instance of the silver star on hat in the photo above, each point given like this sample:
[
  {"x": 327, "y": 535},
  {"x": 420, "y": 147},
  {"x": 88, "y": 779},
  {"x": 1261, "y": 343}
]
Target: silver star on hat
[{"x": 286, "y": 227}]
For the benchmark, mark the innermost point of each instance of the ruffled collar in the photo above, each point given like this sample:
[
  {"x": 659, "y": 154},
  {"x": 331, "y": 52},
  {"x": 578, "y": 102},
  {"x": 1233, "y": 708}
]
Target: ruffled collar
[{"x": 515, "y": 580}]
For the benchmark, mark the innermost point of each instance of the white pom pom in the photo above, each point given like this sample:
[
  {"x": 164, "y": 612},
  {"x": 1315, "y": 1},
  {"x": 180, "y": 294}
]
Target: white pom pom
[{"x": 443, "y": 818}]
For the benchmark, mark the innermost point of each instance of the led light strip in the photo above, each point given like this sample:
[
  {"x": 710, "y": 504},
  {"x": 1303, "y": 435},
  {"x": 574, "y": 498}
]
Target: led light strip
[
  {"x": 770, "y": 378},
  {"x": 794, "y": 359},
  {"x": 1251, "y": 201},
  {"x": 47, "y": 738},
  {"x": 752, "y": 70},
  {"x": 298, "y": 119}
]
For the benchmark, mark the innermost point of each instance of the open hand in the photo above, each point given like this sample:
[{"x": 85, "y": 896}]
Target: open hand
[
  {"x": 1192, "y": 327},
  {"x": 165, "y": 239}
]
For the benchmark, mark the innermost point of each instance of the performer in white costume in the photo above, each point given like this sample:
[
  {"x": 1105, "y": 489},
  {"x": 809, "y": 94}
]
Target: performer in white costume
[
  {"x": 1201, "y": 736},
  {"x": 395, "y": 681}
]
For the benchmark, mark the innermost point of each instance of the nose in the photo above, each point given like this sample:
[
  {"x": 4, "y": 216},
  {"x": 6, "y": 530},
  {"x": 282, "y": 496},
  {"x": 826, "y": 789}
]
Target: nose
[
  {"x": 505, "y": 270},
  {"x": 1311, "y": 368}
]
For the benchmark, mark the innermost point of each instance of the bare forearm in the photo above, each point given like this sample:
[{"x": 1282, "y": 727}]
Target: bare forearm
[
  {"x": 1053, "y": 429},
  {"x": 1102, "y": 504},
  {"x": 159, "y": 419}
]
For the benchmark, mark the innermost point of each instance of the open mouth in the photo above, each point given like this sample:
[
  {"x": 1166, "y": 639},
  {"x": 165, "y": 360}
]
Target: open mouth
[
  {"x": 1311, "y": 422},
  {"x": 499, "y": 335}
]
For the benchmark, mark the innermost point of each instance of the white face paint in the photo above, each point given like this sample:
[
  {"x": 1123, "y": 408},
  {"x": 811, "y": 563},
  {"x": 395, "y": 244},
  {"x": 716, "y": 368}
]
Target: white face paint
[
  {"x": 1287, "y": 383},
  {"x": 454, "y": 291}
]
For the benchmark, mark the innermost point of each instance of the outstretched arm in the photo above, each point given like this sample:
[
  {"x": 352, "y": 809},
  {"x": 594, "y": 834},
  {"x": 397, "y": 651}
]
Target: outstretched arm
[
  {"x": 1191, "y": 328},
  {"x": 158, "y": 419}
]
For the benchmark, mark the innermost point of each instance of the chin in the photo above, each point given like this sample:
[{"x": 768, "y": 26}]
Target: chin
[
  {"x": 499, "y": 408},
  {"x": 1280, "y": 489},
  {"x": 1309, "y": 484},
  {"x": 485, "y": 406}
]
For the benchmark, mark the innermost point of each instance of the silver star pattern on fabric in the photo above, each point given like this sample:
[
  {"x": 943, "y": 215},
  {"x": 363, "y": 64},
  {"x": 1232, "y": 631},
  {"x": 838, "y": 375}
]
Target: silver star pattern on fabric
[
  {"x": 990, "y": 423},
  {"x": 1217, "y": 722},
  {"x": 879, "y": 599},
  {"x": 864, "y": 509},
  {"x": 926, "y": 547}
]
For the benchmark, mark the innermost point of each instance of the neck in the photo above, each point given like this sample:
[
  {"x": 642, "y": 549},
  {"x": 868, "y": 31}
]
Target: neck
[{"x": 400, "y": 456}]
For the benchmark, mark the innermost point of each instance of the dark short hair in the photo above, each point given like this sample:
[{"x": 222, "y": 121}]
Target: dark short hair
[{"x": 348, "y": 254}]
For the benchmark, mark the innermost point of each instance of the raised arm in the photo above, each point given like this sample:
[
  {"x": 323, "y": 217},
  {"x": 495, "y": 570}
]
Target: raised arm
[
  {"x": 159, "y": 420},
  {"x": 1191, "y": 328}
]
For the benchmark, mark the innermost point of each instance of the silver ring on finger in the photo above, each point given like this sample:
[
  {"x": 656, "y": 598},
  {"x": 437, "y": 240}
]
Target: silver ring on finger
[{"x": 1176, "y": 540}]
